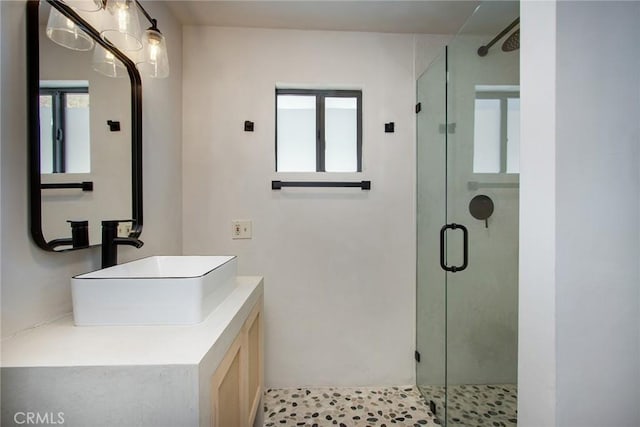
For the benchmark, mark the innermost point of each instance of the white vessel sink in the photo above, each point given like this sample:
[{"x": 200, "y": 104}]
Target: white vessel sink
[{"x": 158, "y": 290}]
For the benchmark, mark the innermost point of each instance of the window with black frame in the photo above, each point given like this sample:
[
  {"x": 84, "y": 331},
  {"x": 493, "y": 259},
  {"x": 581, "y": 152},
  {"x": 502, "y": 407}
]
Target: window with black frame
[
  {"x": 65, "y": 127},
  {"x": 318, "y": 130}
]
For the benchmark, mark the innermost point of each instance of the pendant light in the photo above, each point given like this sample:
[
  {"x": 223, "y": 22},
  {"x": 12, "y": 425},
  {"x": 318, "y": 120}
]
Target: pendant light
[
  {"x": 154, "y": 61},
  {"x": 64, "y": 32},
  {"x": 105, "y": 63},
  {"x": 118, "y": 24},
  {"x": 121, "y": 26}
]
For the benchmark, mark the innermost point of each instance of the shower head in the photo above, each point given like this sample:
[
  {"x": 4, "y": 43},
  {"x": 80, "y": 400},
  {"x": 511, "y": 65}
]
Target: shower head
[
  {"x": 512, "y": 42},
  {"x": 484, "y": 50}
]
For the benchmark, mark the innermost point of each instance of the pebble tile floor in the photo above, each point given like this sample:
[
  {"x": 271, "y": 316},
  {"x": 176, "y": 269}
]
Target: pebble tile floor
[
  {"x": 491, "y": 405},
  {"x": 347, "y": 407}
]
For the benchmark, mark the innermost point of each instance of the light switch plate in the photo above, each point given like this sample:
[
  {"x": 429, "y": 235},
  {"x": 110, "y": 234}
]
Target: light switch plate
[
  {"x": 240, "y": 229},
  {"x": 124, "y": 228}
]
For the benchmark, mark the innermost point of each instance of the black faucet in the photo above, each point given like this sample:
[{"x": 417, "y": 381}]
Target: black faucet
[{"x": 111, "y": 241}]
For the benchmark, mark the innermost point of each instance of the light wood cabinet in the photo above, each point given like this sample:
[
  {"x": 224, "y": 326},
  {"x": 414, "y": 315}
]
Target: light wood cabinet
[
  {"x": 236, "y": 385},
  {"x": 253, "y": 344}
]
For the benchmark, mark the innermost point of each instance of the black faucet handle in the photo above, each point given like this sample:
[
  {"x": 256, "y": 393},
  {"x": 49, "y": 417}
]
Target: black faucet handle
[{"x": 128, "y": 241}]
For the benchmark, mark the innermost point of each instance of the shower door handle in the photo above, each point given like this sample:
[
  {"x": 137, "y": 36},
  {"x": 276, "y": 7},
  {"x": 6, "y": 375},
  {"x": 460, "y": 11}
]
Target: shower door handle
[{"x": 465, "y": 247}]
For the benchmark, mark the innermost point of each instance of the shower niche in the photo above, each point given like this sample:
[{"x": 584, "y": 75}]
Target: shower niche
[{"x": 466, "y": 359}]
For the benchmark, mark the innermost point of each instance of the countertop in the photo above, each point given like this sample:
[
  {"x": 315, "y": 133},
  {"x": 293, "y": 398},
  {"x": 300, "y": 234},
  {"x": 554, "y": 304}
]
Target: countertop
[{"x": 62, "y": 344}]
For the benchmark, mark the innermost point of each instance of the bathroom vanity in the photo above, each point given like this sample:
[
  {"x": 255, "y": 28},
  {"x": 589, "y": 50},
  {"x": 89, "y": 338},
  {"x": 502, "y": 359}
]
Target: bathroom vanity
[
  {"x": 162, "y": 341},
  {"x": 207, "y": 374}
]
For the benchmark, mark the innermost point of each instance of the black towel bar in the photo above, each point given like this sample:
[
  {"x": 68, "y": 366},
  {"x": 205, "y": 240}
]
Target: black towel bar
[
  {"x": 277, "y": 185},
  {"x": 84, "y": 185}
]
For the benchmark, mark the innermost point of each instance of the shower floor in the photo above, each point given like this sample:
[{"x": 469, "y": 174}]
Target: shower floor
[
  {"x": 476, "y": 405},
  {"x": 347, "y": 407}
]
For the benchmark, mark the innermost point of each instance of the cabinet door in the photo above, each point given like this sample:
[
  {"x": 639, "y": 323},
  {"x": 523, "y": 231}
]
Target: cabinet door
[
  {"x": 253, "y": 350},
  {"x": 236, "y": 386},
  {"x": 228, "y": 400}
]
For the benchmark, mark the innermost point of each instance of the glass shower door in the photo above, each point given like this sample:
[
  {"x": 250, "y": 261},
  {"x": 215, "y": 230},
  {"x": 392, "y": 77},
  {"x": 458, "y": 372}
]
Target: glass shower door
[
  {"x": 483, "y": 194},
  {"x": 467, "y": 226}
]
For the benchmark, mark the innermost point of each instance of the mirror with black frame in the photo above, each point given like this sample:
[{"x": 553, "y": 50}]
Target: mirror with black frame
[{"x": 85, "y": 133}]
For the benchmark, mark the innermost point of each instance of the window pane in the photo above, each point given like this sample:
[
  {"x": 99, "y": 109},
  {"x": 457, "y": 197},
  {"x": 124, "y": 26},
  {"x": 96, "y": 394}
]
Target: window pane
[
  {"x": 77, "y": 138},
  {"x": 46, "y": 134},
  {"x": 513, "y": 135},
  {"x": 296, "y": 133},
  {"x": 486, "y": 142},
  {"x": 341, "y": 134}
]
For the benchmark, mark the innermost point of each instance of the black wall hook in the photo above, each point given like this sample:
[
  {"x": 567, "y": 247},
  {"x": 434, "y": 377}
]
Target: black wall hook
[
  {"x": 390, "y": 127},
  {"x": 114, "y": 126}
]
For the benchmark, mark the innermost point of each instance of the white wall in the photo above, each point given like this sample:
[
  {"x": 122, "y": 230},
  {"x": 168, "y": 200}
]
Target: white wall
[
  {"x": 536, "y": 317},
  {"x": 162, "y": 147},
  {"x": 598, "y": 311},
  {"x": 579, "y": 354},
  {"x": 35, "y": 284},
  {"x": 339, "y": 264}
]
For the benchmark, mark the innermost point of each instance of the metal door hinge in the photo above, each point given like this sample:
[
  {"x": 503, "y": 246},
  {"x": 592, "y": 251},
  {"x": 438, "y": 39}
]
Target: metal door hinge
[
  {"x": 416, "y": 355},
  {"x": 418, "y": 107}
]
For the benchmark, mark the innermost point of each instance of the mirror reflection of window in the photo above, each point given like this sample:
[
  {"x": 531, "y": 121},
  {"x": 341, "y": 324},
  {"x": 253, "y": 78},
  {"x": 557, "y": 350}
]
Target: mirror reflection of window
[
  {"x": 78, "y": 135},
  {"x": 65, "y": 131},
  {"x": 46, "y": 134},
  {"x": 496, "y": 141}
]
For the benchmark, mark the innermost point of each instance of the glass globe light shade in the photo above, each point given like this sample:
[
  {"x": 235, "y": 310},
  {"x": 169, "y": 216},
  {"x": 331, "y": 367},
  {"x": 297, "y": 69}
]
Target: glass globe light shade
[
  {"x": 154, "y": 60},
  {"x": 121, "y": 25},
  {"x": 105, "y": 63},
  {"x": 64, "y": 32}
]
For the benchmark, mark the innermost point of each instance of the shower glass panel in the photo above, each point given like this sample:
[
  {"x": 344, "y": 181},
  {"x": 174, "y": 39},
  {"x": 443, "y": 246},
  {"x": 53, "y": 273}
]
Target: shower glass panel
[
  {"x": 431, "y": 212},
  {"x": 467, "y": 316}
]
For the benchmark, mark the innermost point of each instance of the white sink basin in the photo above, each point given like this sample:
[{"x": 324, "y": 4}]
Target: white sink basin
[{"x": 159, "y": 290}]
